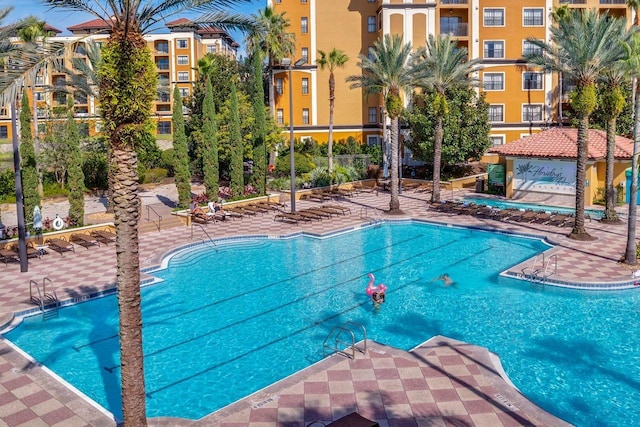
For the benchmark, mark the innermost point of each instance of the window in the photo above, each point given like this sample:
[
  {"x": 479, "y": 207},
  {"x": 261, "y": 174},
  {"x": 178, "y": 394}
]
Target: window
[
  {"x": 493, "y": 81},
  {"x": 163, "y": 96},
  {"x": 303, "y": 1},
  {"x": 371, "y": 24},
  {"x": 39, "y": 80},
  {"x": 184, "y": 92},
  {"x": 532, "y": 113},
  {"x": 532, "y": 81},
  {"x": 212, "y": 48},
  {"x": 183, "y": 76},
  {"x": 163, "y": 108},
  {"x": 496, "y": 113},
  {"x": 164, "y": 128},
  {"x": 305, "y": 116},
  {"x": 304, "y": 25},
  {"x": 162, "y": 63},
  {"x": 279, "y": 90},
  {"x": 529, "y": 48},
  {"x": 372, "y": 1},
  {"x": 39, "y": 96},
  {"x": 496, "y": 140},
  {"x": 183, "y": 59},
  {"x": 370, "y": 53},
  {"x": 533, "y": 17},
  {"x": 305, "y": 86},
  {"x": 182, "y": 43},
  {"x": 280, "y": 116},
  {"x": 494, "y": 49},
  {"x": 372, "y": 140},
  {"x": 493, "y": 17},
  {"x": 373, "y": 114},
  {"x": 305, "y": 54},
  {"x": 162, "y": 47},
  {"x": 278, "y": 1},
  {"x": 4, "y": 132}
]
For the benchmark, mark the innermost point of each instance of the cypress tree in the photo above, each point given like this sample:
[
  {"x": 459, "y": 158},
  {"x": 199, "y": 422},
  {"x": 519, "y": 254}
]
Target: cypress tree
[
  {"x": 210, "y": 139},
  {"x": 29, "y": 172},
  {"x": 259, "y": 131},
  {"x": 181, "y": 159},
  {"x": 237, "y": 149},
  {"x": 75, "y": 176}
]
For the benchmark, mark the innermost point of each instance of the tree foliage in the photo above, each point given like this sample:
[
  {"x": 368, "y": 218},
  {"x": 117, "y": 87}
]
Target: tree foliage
[
  {"x": 259, "y": 128},
  {"x": 181, "y": 159},
  {"x": 466, "y": 126},
  {"x": 210, "y": 144},
  {"x": 75, "y": 177},
  {"x": 28, "y": 161},
  {"x": 236, "y": 170}
]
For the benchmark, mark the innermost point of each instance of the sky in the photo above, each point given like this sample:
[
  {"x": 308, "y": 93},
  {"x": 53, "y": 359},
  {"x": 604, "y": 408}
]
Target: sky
[{"x": 63, "y": 19}]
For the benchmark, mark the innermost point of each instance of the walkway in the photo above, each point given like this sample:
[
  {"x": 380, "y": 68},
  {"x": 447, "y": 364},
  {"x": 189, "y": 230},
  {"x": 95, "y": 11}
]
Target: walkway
[{"x": 383, "y": 384}]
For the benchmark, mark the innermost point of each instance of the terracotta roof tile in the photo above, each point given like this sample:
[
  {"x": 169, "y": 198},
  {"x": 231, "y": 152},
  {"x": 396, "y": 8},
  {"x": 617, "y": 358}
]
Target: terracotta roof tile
[
  {"x": 179, "y": 22},
  {"x": 90, "y": 25},
  {"x": 562, "y": 143}
]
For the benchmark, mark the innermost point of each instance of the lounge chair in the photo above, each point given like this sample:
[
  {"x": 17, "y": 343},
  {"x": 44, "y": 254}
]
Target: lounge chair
[
  {"x": 351, "y": 420},
  {"x": 7, "y": 255},
  {"x": 290, "y": 217},
  {"x": 542, "y": 218},
  {"x": 340, "y": 208},
  {"x": 104, "y": 236},
  {"x": 558, "y": 219},
  {"x": 60, "y": 245},
  {"x": 310, "y": 215},
  {"x": 85, "y": 240},
  {"x": 319, "y": 196},
  {"x": 324, "y": 212},
  {"x": 527, "y": 216}
]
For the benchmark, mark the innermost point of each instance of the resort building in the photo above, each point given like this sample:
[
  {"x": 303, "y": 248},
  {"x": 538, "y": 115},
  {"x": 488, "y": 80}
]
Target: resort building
[
  {"x": 176, "y": 53},
  {"x": 522, "y": 101}
]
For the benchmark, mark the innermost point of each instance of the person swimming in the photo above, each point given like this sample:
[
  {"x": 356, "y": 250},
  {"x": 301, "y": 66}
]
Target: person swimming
[
  {"x": 445, "y": 278},
  {"x": 377, "y": 298}
]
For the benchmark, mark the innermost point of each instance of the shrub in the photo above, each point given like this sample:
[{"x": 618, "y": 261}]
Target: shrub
[
  {"x": 167, "y": 160},
  {"x": 52, "y": 189},
  {"x": 155, "y": 175},
  {"x": 95, "y": 171},
  {"x": 303, "y": 164},
  {"x": 7, "y": 183},
  {"x": 319, "y": 177}
]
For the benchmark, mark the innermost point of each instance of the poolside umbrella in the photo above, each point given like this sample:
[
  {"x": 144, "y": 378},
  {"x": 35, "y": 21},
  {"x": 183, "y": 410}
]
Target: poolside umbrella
[{"x": 37, "y": 220}]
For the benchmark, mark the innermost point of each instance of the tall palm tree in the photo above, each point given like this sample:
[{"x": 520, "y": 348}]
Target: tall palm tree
[
  {"x": 127, "y": 88},
  {"x": 441, "y": 67},
  {"x": 334, "y": 59},
  {"x": 612, "y": 101},
  {"x": 582, "y": 45},
  {"x": 271, "y": 37},
  {"x": 390, "y": 72}
]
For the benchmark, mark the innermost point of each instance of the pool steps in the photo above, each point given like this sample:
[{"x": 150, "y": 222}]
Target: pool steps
[{"x": 335, "y": 341}]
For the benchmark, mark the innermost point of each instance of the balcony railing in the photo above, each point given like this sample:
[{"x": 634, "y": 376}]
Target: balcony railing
[
  {"x": 573, "y": 1},
  {"x": 459, "y": 30},
  {"x": 162, "y": 65},
  {"x": 613, "y": 2},
  {"x": 454, "y": 1}
]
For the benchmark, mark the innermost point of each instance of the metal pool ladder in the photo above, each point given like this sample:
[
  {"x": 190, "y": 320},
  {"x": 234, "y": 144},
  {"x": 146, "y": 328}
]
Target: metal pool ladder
[
  {"x": 342, "y": 340},
  {"x": 548, "y": 268},
  {"x": 374, "y": 219},
  {"x": 48, "y": 302}
]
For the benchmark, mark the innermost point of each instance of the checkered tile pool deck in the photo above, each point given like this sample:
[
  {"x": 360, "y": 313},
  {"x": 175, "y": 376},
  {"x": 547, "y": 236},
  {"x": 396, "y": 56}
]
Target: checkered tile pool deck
[{"x": 441, "y": 383}]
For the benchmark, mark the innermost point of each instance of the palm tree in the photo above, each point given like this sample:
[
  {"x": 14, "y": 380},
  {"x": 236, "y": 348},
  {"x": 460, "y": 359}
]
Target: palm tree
[
  {"x": 335, "y": 59},
  {"x": 127, "y": 88},
  {"x": 389, "y": 72},
  {"x": 582, "y": 45},
  {"x": 443, "y": 66},
  {"x": 270, "y": 36},
  {"x": 612, "y": 102}
]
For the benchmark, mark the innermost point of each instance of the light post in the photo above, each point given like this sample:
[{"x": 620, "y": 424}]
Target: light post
[{"x": 290, "y": 64}]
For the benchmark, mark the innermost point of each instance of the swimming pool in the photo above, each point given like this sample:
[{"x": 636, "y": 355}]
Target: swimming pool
[
  {"x": 221, "y": 321},
  {"x": 502, "y": 204}
]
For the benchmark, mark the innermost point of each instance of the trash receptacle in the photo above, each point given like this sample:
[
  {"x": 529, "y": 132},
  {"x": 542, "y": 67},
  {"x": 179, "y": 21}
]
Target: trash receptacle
[{"x": 479, "y": 185}]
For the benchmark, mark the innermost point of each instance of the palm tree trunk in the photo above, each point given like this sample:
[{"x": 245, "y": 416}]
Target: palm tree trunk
[
  {"x": 579, "y": 232},
  {"x": 610, "y": 214},
  {"x": 127, "y": 213},
  {"x": 332, "y": 97},
  {"x": 437, "y": 159},
  {"x": 630, "y": 256},
  {"x": 394, "y": 204}
]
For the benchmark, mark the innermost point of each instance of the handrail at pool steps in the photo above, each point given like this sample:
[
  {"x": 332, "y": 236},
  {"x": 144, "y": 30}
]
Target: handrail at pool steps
[
  {"x": 44, "y": 299},
  {"x": 149, "y": 210},
  {"x": 340, "y": 344},
  {"x": 206, "y": 234}
]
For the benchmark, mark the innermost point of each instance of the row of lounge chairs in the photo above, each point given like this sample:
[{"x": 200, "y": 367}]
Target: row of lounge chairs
[
  {"x": 228, "y": 213},
  {"x": 57, "y": 244},
  {"x": 507, "y": 214},
  {"x": 319, "y": 213}
]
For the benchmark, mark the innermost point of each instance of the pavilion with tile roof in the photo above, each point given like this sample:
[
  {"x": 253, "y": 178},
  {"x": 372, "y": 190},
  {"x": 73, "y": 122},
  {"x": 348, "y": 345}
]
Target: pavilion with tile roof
[{"x": 542, "y": 167}]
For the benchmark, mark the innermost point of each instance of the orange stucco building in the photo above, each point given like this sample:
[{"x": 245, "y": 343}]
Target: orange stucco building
[{"x": 522, "y": 101}]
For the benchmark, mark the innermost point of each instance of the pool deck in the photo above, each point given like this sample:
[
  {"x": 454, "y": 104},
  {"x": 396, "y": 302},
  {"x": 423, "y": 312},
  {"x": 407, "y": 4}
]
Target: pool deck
[{"x": 443, "y": 382}]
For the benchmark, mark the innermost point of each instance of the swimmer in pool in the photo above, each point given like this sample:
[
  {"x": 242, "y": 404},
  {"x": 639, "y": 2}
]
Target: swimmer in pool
[{"x": 445, "y": 278}]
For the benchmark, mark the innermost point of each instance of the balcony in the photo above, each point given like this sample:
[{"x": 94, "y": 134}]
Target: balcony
[
  {"x": 163, "y": 64},
  {"x": 448, "y": 2},
  {"x": 573, "y": 1},
  {"x": 457, "y": 30},
  {"x": 620, "y": 2}
]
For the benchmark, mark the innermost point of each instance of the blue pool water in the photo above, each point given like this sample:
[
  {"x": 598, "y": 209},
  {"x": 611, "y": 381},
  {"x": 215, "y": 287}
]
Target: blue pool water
[
  {"x": 503, "y": 204},
  {"x": 226, "y": 323}
]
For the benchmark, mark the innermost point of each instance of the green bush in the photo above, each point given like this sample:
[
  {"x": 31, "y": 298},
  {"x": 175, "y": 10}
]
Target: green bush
[
  {"x": 155, "y": 175},
  {"x": 95, "y": 171},
  {"x": 7, "y": 183},
  {"x": 319, "y": 177},
  {"x": 167, "y": 160},
  {"x": 284, "y": 184},
  {"x": 303, "y": 164},
  {"x": 53, "y": 189}
]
